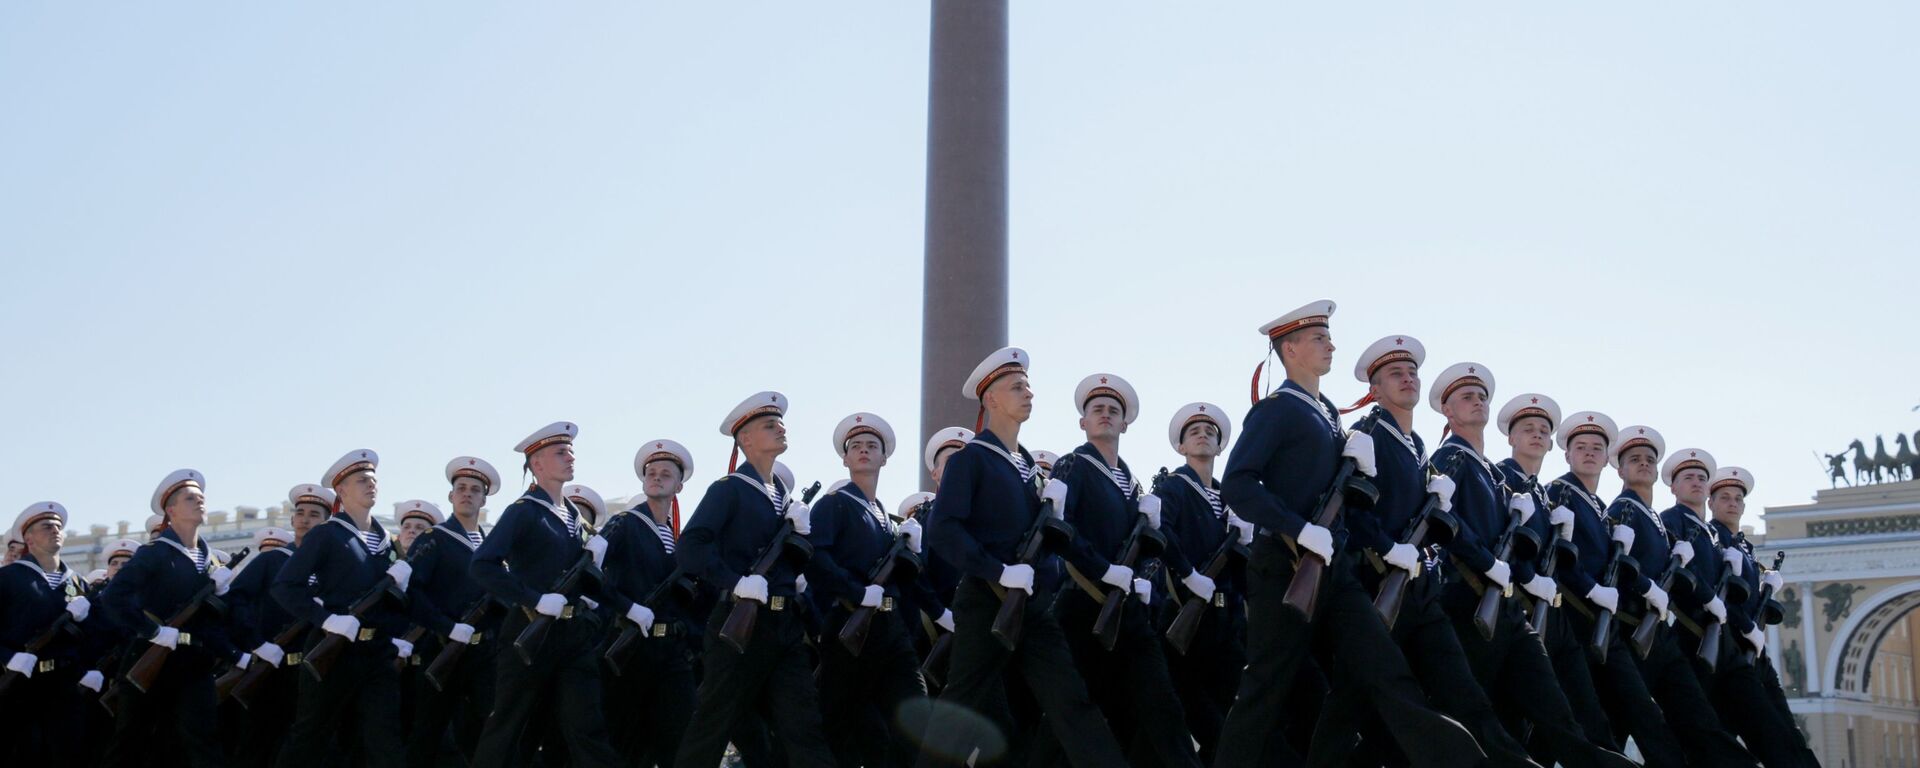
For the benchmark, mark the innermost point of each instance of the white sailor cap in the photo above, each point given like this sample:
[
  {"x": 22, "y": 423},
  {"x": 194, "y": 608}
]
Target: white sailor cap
[
  {"x": 94, "y": 576},
  {"x": 551, "y": 434},
  {"x": 1687, "y": 458},
  {"x": 122, "y": 547},
  {"x": 174, "y": 481},
  {"x": 1386, "y": 351},
  {"x": 1192, "y": 412},
  {"x": 838, "y": 484},
  {"x": 1529, "y": 404},
  {"x": 1045, "y": 459},
  {"x": 420, "y": 508},
  {"x": 1107, "y": 385},
  {"x": 951, "y": 437},
  {"x": 1457, "y": 377},
  {"x": 308, "y": 493},
  {"x": 1636, "y": 436},
  {"x": 362, "y": 460},
  {"x": 585, "y": 496},
  {"x": 863, "y": 423},
  {"x": 756, "y": 405},
  {"x": 34, "y": 513},
  {"x": 910, "y": 506},
  {"x": 784, "y": 475},
  {"x": 276, "y": 537},
  {"x": 1312, "y": 315},
  {"x": 1003, "y": 361},
  {"x": 662, "y": 450},
  {"x": 1586, "y": 423},
  {"x": 1731, "y": 476},
  {"x": 476, "y": 468},
  {"x": 155, "y": 524}
]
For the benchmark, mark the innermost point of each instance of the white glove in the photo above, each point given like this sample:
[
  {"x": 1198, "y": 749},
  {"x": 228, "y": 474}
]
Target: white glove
[
  {"x": 461, "y": 633},
  {"x": 1540, "y": 587},
  {"x": 945, "y": 621},
  {"x": 1118, "y": 575},
  {"x": 167, "y": 637},
  {"x": 1359, "y": 447},
  {"x": 1056, "y": 492},
  {"x": 751, "y": 587},
  {"x": 1657, "y": 598},
  {"x": 1605, "y": 597},
  {"x": 1241, "y": 527},
  {"x": 343, "y": 625},
  {"x": 402, "y": 573},
  {"x": 1775, "y": 580},
  {"x": 1757, "y": 639},
  {"x": 1201, "y": 586},
  {"x": 551, "y": 604},
  {"x": 1317, "y": 540},
  {"x": 1442, "y": 486},
  {"x": 597, "y": 546},
  {"x": 910, "y": 528},
  {"x": 1501, "y": 574},
  {"x": 243, "y": 661},
  {"x": 79, "y": 608},
  {"x": 799, "y": 582},
  {"x": 23, "y": 663},
  {"x": 802, "y": 517},
  {"x": 222, "y": 577},
  {"x": 93, "y": 680},
  {"x": 1735, "y": 559},
  {"x": 1017, "y": 576},
  {"x": 1623, "y": 533},
  {"x": 870, "y": 598},
  {"x": 404, "y": 648},
  {"x": 1143, "y": 589},
  {"x": 1717, "y": 608},
  {"x": 591, "y": 605},
  {"x": 641, "y": 616},
  {"x": 1404, "y": 557},
  {"x": 1522, "y": 503},
  {"x": 270, "y": 653},
  {"x": 1685, "y": 550},
  {"x": 1561, "y": 516},
  {"x": 1150, "y": 506}
]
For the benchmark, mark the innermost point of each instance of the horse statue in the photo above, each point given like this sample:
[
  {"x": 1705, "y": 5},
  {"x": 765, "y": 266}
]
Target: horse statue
[
  {"x": 1883, "y": 461},
  {"x": 1904, "y": 459},
  {"x": 1863, "y": 467},
  {"x": 1836, "y": 469}
]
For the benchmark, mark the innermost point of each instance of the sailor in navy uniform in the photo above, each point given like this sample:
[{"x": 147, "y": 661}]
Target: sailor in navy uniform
[
  {"x": 338, "y": 564},
  {"x": 1198, "y": 522},
  {"x": 652, "y": 697},
  {"x": 256, "y": 620},
  {"x": 1747, "y": 691},
  {"x": 440, "y": 593},
  {"x": 1511, "y": 665},
  {"x": 1104, "y": 502},
  {"x": 118, "y": 554},
  {"x": 851, "y": 533},
  {"x": 1290, "y": 447},
  {"x": 941, "y": 575},
  {"x": 45, "y": 722},
  {"x": 1042, "y": 463},
  {"x": 163, "y": 578},
  {"x": 538, "y": 538},
  {"x": 1668, "y": 674}
]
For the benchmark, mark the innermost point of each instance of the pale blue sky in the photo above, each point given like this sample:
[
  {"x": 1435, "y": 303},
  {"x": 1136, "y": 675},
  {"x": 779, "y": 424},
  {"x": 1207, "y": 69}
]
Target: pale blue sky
[{"x": 248, "y": 237}]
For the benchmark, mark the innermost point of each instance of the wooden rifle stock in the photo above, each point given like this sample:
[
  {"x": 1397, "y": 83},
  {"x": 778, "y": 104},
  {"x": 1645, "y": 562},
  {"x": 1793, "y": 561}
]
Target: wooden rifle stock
[
  {"x": 569, "y": 585},
  {"x": 63, "y": 624},
  {"x": 737, "y": 631},
  {"x": 934, "y": 669},
  {"x": 1428, "y": 526},
  {"x": 1187, "y": 622},
  {"x": 244, "y": 688},
  {"x": 1303, "y": 594},
  {"x": 1603, "y": 618},
  {"x": 1643, "y": 635},
  {"x": 1106, "y": 625},
  {"x": 1750, "y": 655},
  {"x": 1011, "y": 619},
  {"x": 1486, "y": 615},
  {"x": 319, "y": 660},
  {"x": 147, "y": 667},
  {"x": 451, "y": 652},
  {"x": 853, "y": 634},
  {"x": 1550, "y": 565},
  {"x": 621, "y": 650}
]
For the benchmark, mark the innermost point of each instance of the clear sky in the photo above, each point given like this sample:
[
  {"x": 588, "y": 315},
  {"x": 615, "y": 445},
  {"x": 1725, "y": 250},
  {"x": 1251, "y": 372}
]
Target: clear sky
[{"x": 247, "y": 238}]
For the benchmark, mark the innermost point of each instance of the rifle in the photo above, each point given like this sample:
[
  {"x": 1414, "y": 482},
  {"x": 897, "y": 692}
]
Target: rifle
[
  {"x": 147, "y": 667},
  {"x": 1643, "y": 635},
  {"x": 570, "y": 583},
  {"x": 1603, "y": 619},
  {"x": 1044, "y": 534},
  {"x": 1303, "y": 594},
  {"x": 934, "y": 669},
  {"x": 321, "y": 658},
  {"x": 1142, "y": 542},
  {"x": 450, "y": 653},
  {"x": 249, "y": 679},
  {"x": 1771, "y": 612},
  {"x": 1186, "y": 623},
  {"x": 1550, "y": 566},
  {"x": 899, "y": 563},
  {"x": 1487, "y": 613},
  {"x": 621, "y": 650},
  {"x": 737, "y": 631},
  {"x": 62, "y": 625},
  {"x": 1432, "y": 525}
]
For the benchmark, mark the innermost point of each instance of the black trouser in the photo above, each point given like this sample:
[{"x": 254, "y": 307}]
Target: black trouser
[
  {"x": 362, "y": 685},
  {"x": 42, "y": 720},
  {"x": 178, "y": 710},
  {"x": 1208, "y": 674},
  {"x": 1738, "y": 695},
  {"x": 774, "y": 670},
  {"x": 1363, "y": 654},
  {"x": 857, "y": 691},
  {"x": 1569, "y": 655},
  {"x": 1130, "y": 683},
  {"x": 650, "y": 703},
  {"x": 463, "y": 704},
  {"x": 1432, "y": 649},
  {"x": 265, "y": 721},
  {"x": 562, "y": 683},
  {"x": 976, "y": 686},
  {"x": 1629, "y": 703},
  {"x": 1769, "y": 681},
  {"x": 1689, "y": 713}
]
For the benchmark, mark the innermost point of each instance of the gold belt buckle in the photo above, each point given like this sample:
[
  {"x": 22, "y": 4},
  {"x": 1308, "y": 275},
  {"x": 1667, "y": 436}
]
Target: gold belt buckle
[
  {"x": 366, "y": 633},
  {"x": 659, "y": 629},
  {"x": 293, "y": 659},
  {"x": 414, "y": 660},
  {"x": 477, "y": 637},
  {"x": 46, "y": 666},
  {"x": 777, "y": 603},
  {"x": 886, "y": 604},
  {"x": 186, "y": 638},
  {"x": 567, "y": 612},
  {"x": 1219, "y": 599}
]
